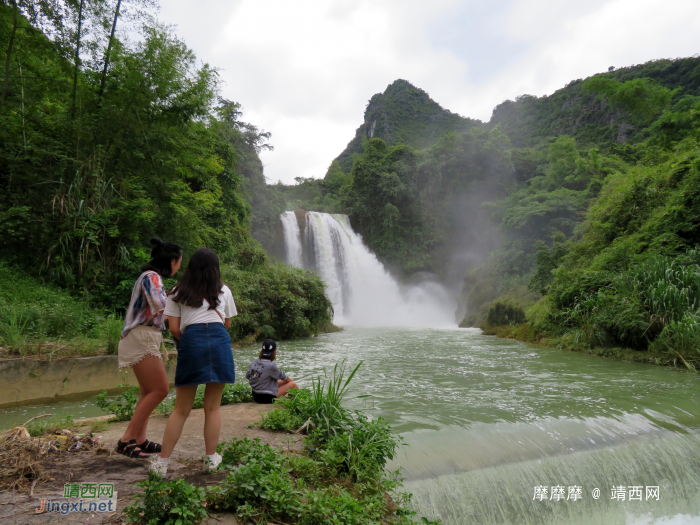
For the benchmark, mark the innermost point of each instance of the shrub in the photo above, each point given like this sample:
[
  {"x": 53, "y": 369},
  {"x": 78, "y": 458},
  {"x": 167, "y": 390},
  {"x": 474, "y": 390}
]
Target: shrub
[
  {"x": 505, "y": 311},
  {"x": 276, "y": 299},
  {"x": 167, "y": 503},
  {"x": 256, "y": 486},
  {"x": 681, "y": 337},
  {"x": 243, "y": 451},
  {"x": 347, "y": 459},
  {"x": 13, "y": 329},
  {"x": 123, "y": 405}
]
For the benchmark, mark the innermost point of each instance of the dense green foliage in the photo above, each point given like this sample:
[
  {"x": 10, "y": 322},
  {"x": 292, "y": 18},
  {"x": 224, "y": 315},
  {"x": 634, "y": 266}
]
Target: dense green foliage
[
  {"x": 100, "y": 154},
  {"x": 505, "y": 311},
  {"x": 278, "y": 301},
  {"x": 625, "y": 271}
]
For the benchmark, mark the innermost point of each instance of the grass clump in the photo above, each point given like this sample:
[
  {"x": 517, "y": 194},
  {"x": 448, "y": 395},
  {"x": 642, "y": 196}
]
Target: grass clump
[
  {"x": 40, "y": 427},
  {"x": 319, "y": 409}
]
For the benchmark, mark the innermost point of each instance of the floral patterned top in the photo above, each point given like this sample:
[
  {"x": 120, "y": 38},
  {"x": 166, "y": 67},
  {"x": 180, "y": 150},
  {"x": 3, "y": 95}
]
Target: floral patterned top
[{"x": 147, "y": 303}]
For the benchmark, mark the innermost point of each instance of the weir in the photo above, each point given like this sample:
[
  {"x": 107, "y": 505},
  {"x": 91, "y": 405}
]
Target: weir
[{"x": 361, "y": 289}]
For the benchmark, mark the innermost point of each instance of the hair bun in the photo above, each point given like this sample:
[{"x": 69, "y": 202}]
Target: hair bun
[{"x": 156, "y": 241}]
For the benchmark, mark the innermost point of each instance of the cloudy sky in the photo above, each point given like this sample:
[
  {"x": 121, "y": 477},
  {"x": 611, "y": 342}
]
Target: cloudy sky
[{"x": 305, "y": 69}]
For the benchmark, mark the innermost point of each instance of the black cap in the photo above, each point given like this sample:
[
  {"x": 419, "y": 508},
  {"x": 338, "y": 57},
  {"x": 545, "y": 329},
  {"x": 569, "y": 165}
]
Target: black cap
[{"x": 269, "y": 347}]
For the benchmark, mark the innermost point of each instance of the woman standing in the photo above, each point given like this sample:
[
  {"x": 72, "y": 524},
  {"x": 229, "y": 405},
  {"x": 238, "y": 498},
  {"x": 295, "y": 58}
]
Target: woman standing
[
  {"x": 139, "y": 347},
  {"x": 199, "y": 310}
]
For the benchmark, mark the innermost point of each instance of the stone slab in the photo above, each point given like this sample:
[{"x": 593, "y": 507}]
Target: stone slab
[{"x": 30, "y": 381}]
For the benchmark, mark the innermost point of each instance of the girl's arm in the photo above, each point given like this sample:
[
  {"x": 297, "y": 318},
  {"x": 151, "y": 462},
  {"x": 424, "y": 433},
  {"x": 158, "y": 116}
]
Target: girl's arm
[
  {"x": 175, "y": 327},
  {"x": 227, "y": 323}
]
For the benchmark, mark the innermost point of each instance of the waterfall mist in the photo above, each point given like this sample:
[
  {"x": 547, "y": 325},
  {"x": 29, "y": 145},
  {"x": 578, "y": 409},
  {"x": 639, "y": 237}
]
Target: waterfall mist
[{"x": 362, "y": 291}]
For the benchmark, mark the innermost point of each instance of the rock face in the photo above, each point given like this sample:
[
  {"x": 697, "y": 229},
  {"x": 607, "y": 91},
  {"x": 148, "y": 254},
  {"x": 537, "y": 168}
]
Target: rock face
[{"x": 404, "y": 114}]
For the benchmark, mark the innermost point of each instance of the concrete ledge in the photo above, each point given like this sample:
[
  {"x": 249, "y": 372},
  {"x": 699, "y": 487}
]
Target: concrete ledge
[{"x": 28, "y": 381}]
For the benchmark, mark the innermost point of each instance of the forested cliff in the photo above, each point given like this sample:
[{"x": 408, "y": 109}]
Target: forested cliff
[{"x": 580, "y": 208}]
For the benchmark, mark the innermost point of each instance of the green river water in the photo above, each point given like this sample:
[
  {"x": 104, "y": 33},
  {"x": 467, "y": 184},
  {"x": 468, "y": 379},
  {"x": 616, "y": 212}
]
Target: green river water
[{"x": 487, "y": 420}]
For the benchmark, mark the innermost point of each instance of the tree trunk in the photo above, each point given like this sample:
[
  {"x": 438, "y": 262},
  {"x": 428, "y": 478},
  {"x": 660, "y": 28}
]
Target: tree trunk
[
  {"x": 24, "y": 133},
  {"x": 107, "y": 53},
  {"x": 77, "y": 58},
  {"x": 6, "y": 81}
]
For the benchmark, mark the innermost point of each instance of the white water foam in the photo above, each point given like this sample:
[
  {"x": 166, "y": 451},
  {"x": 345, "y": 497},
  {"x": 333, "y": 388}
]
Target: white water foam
[
  {"x": 292, "y": 238},
  {"x": 362, "y": 291}
]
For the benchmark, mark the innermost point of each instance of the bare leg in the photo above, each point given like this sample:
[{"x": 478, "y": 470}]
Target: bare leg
[
  {"x": 284, "y": 388},
  {"x": 212, "y": 416},
  {"x": 184, "y": 399},
  {"x": 150, "y": 373}
]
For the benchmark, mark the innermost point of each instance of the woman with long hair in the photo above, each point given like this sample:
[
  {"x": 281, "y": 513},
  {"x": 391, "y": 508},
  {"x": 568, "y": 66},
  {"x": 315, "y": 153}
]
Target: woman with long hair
[
  {"x": 199, "y": 309},
  {"x": 140, "y": 343}
]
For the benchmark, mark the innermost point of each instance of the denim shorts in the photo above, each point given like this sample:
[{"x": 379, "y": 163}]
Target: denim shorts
[{"x": 204, "y": 356}]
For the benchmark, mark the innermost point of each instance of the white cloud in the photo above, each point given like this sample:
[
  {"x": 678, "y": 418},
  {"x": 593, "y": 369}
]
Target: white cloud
[{"x": 305, "y": 70}]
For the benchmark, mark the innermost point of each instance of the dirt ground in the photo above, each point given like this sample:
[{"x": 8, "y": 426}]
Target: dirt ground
[{"x": 19, "y": 508}]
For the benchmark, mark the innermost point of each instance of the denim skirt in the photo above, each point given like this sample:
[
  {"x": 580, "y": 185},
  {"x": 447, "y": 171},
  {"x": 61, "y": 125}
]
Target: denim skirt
[{"x": 204, "y": 356}]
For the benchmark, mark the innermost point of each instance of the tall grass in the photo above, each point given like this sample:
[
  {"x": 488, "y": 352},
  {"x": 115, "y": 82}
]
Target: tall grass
[
  {"x": 36, "y": 319},
  {"x": 320, "y": 410},
  {"x": 655, "y": 304},
  {"x": 13, "y": 329},
  {"x": 110, "y": 331}
]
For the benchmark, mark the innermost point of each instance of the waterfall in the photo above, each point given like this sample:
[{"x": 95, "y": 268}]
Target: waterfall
[
  {"x": 362, "y": 291},
  {"x": 292, "y": 238}
]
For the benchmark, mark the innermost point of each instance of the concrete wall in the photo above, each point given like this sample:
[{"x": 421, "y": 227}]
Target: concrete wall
[{"x": 26, "y": 381}]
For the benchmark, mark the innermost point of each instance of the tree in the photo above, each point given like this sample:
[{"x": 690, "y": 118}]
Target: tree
[{"x": 644, "y": 98}]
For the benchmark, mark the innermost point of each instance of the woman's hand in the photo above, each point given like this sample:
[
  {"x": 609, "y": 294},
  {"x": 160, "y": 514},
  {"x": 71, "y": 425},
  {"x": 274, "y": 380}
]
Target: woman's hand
[{"x": 175, "y": 327}]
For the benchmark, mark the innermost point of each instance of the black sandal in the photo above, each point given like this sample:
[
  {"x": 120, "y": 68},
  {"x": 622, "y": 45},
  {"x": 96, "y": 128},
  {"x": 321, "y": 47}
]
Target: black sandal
[
  {"x": 150, "y": 447},
  {"x": 131, "y": 450}
]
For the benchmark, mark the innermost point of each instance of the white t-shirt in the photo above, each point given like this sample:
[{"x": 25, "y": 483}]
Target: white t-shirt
[{"x": 189, "y": 315}]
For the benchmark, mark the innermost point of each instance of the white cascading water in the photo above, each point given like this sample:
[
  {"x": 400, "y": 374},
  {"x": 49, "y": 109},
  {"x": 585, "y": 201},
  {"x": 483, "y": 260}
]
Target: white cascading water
[
  {"x": 363, "y": 293},
  {"x": 292, "y": 239}
]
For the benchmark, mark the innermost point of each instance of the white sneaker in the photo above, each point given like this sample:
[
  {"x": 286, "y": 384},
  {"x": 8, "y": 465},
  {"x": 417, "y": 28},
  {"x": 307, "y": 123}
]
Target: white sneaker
[
  {"x": 159, "y": 468},
  {"x": 210, "y": 463}
]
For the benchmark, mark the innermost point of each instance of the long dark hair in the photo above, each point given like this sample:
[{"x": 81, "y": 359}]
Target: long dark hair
[
  {"x": 162, "y": 255},
  {"x": 202, "y": 280}
]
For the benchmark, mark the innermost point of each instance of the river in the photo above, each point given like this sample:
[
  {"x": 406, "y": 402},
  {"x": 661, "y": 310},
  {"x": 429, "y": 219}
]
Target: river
[{"x": 486, "y": 421}]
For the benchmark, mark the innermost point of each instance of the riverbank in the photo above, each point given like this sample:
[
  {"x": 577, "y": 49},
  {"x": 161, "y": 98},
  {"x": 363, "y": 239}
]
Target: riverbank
[
  {"x": 103, "y": 465},
  {"x": 337, "y": 474},
  {"x": 526, "y": 334}
]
